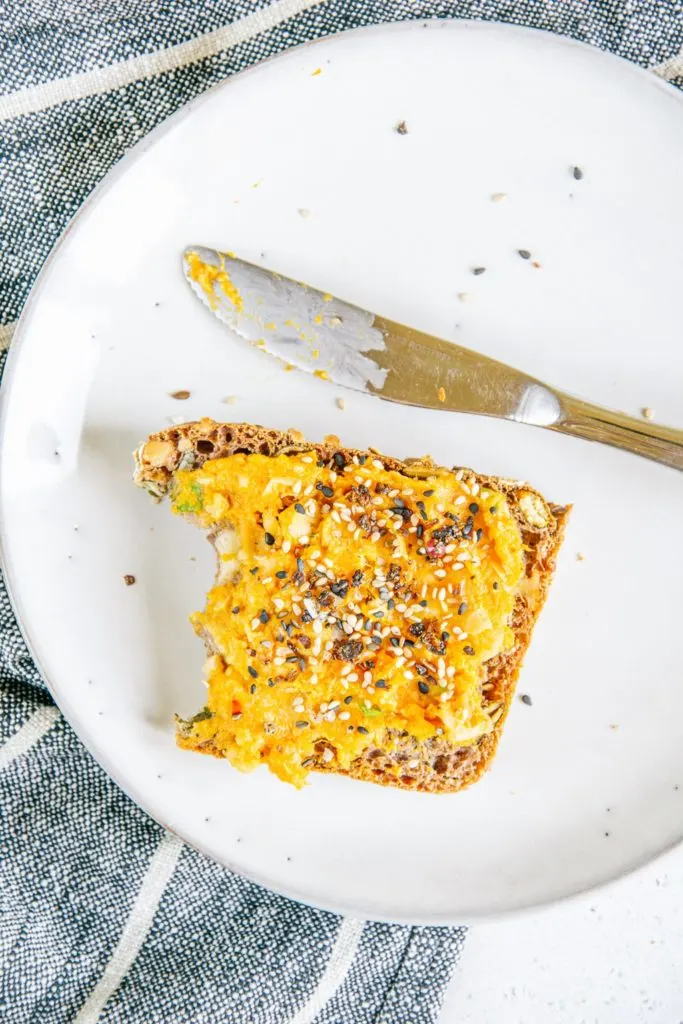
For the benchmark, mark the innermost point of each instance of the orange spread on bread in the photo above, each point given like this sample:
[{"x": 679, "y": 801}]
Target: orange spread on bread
[{"x": 350, "y": 599}]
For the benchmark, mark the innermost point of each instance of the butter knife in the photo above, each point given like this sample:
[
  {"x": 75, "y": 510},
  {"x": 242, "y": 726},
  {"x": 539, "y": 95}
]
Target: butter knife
[{"x": 336, "y": 341}]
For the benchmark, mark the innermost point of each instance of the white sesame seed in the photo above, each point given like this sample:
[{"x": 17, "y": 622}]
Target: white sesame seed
[
  {"x": 306, "y": 458},
  {"x": 442, "y": 594},
  {"x": 344, "y": 716},
  {"x": 255, "y": 623},
  {"x": 440, "y": 573},
  {"x": 327, "y": 755},
  {"x": 377, "y": 464},
  {"x": 352, "y": 677},
  {"x": 414, "y": 763},
  {"x": 286, "y": 546},
  {"x": 317, "y": 626}
]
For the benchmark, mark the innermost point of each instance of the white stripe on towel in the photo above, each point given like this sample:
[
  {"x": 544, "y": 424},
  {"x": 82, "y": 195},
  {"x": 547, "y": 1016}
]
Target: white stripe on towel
[
  {"x": 6, "y": 332},
  {"x": 115, "y": 76},
  {"x": 40, "y": 723},
  {"x": 341, "y": 958},
  {"x": 135, "y": 930},
  {"x": 671, "y": 68}
]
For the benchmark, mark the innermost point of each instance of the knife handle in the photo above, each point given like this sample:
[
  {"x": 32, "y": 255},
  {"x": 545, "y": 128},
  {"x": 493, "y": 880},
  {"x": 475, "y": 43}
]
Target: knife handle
[{"x": 660, "y": 444}]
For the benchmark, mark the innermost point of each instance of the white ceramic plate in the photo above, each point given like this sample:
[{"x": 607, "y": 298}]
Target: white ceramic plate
[{"x": 588, "y": 782}]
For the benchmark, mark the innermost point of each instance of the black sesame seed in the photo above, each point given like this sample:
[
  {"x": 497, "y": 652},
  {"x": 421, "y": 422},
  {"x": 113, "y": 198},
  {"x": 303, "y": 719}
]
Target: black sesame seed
[
  {"x": 236, "y": 609},
  {"x": 300, "y": 564},
  {"x": 495, "y": 584},
  {"x": 381, "y": 684},
  {"x": 268, "y": 538},
  {"x": 394, "y": 641},
  {"x": 474, "y": 508},
  {"x": 399, "y": 502},
  {"x": 423, "y": 687},
  {"x": 252, "y": 672},
  {"x": 254, "y": 570},
  {"x": 428, "y": 494},
  {"x": 308, "y": 762},
  {"x": 347, "y": 700},
  {"x": 524, "y": 253},
  {"x": 468, "y": 649},
  {"x": 493, "y": 509},
  {"x": 357, "y": 578},
  {"x": 423, "y": 603},
  {"x": 445, "y": 635},
  {"x": 526, "y": 699},
  {"x": 340, "y": 588},
  {"x": 390, "y": 603},
  {"x": 577, "y": 173},
  {"x": 301, "y": 724},
  {"x": 378, "y": 615},
  {"x": 327, "y": 491},
  {"x": 420, "y": 530},
  {"x": 264, "y": 616},
  {"x": 281, "y": 575},
  {"x": 362, "y": 459},
  {"x": 292, "y": 658},
  {"x": 478, "y": 270},
  {"x": 271, "y": 682},
  {"x": 302, "y": 664},
  {"x": 462, "y": 608},
  {"x": 421, "y": 508},
  {"x": 350, "y": 728},
  {"x": 306, "y": 617},
  {"x": 361, "y": 728},
  {"x": 339, "y": 459},
  {"x": 300, "y": 509}
]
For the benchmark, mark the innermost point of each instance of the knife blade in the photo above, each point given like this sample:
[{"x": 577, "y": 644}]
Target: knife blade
[{"x": 340, "y": 342}]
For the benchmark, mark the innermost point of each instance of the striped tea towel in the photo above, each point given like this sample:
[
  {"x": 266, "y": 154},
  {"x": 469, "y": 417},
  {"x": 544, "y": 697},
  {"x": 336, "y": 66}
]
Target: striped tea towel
[{"x": 103, "y": 916}]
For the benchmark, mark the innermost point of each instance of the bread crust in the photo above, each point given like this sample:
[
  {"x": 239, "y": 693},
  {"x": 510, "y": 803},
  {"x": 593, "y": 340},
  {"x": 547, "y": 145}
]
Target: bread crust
[{"x": 436, "y": 765}]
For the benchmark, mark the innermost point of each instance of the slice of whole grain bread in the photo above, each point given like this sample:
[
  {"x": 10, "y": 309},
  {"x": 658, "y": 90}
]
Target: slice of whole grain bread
[{"x": 436, "y": 765}]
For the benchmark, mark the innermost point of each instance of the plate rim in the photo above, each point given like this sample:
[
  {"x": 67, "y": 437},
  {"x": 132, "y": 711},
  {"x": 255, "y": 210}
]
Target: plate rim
[{"x": 61, "y": 700}]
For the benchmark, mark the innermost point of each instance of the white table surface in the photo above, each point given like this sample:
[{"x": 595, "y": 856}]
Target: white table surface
[{"x": 612, "y": 957}]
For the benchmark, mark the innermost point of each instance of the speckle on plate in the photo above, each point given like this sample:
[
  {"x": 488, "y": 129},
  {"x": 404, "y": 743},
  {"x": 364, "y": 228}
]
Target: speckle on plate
[
  {"x": 478, "y": 271},
  {"x": 647, "y": 413},
  {"x": 526, "y": 699},
  {"x": 499, "y": 197},
  {"x": 181, "y": 395},
  {"x": 402, "y": 128},
  {"x": 580, "y": 557},
  {"x": 230, "y": 399},
  {"x": 524, "y": 253},
  {"x": 577, "y": 173},
  {"x": 304, "y": 212},
  {"x": 441, "y": 394},
  {"x": 129, "y": 580},
  {"x": 464, "y": 296},
  {"x": 341, "y": 403}
]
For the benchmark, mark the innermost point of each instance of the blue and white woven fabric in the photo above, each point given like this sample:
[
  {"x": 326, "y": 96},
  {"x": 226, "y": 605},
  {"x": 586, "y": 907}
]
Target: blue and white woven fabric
[{"x": 103, "y": 916}]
